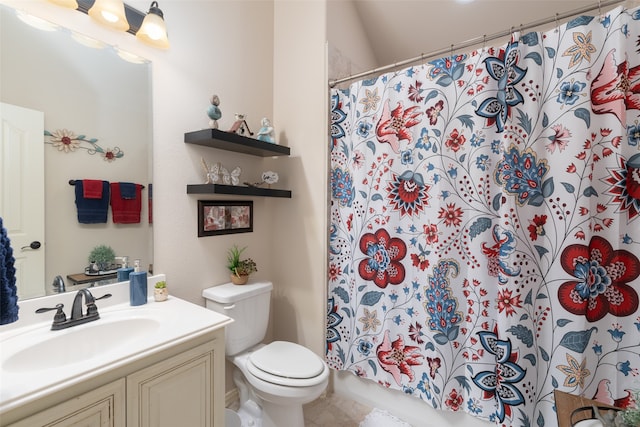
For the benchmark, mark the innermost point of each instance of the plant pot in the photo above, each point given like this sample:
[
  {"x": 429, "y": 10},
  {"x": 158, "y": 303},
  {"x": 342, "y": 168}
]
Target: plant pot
[
  {"x": 161, "y": 294},
  {"x": 239, "y": 280}
]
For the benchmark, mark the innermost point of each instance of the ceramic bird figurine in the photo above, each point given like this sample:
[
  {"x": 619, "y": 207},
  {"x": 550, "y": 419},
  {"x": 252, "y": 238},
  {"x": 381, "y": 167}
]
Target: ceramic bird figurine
[
  {"x": 266, "y": 132},
  {"x": 240, "y": 126}
]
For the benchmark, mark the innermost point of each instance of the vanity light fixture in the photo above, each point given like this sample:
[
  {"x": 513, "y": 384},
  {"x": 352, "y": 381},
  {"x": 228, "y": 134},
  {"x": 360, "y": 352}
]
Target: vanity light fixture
[
  {"x": 149, "y": 29},
  {"x": 110, "y": 13},
  {"x": 71, "y": 4},
  {"x": 153, "y": 30}
]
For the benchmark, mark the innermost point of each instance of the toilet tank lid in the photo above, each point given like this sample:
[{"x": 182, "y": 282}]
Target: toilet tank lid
[{"x": 230, "y": 293}]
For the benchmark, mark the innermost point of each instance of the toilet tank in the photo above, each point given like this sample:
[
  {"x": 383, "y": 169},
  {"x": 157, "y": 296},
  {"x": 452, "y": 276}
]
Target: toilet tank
[{"x": 248, "y": 305}]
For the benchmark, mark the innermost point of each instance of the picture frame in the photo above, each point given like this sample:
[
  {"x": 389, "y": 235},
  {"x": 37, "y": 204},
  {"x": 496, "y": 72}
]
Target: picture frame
[{"x": 216, "y": 217}]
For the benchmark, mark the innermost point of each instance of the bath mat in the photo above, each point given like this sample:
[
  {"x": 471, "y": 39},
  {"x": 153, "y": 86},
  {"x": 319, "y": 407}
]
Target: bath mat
[{"x": 380, "y": 418}]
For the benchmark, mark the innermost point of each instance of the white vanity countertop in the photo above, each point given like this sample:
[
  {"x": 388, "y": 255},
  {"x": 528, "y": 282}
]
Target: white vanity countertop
[{"x": 36, "y": 361}]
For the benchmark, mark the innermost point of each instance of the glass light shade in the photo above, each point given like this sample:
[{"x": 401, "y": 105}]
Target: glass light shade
[
  {"x": 88, "y": 41},
  {"x": 153, "y": 30},
  {"x": 71, "y": 4},
  {"x": 36, "y": 22},
  {"x": 110, "y": 13},
  {"x": 130, "y": 57}
]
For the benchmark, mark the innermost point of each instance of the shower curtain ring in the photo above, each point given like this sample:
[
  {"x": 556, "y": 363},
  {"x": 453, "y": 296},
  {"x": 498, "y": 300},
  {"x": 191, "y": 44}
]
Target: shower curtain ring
[
  {"x": 451, "y": 52},
  {"x": 484, "y": 42},
  {"x": 557, "y": 25},
  {"x": 600, "y": 10}
]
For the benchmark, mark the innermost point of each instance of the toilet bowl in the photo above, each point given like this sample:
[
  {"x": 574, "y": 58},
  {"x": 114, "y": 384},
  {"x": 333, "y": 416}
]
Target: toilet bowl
[
  {"x": 274, "y": 380},
  {"x": 232, "y": 419},
  {"x": 282, "y": 387},
  {"x": 280, "y": 397}
]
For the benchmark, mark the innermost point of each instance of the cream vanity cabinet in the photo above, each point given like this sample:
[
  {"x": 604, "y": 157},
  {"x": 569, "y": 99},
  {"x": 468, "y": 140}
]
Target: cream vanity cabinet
[
  {"x": 180, "y": 386},
  {"x": 102, "y": 407},
  {"x": 174, "y": 392}
]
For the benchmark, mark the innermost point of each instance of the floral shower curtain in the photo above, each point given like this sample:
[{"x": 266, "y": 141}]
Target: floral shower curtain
[{"x": 484, "y": 229}]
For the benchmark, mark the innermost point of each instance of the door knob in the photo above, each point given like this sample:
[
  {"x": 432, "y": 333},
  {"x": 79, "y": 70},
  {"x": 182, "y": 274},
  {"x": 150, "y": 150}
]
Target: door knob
[{"x": 34, "y": 245}]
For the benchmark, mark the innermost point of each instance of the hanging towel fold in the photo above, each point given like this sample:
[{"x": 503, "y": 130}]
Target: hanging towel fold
[
  {"x": 128, "y": 190},
  {"x": 150, "y": 196},
  {"x": 125, "y": 211},
  {"x": 8, "y": 291},
  {"x": 92, "y": 211},
  {"x": 92, "y": 188}
]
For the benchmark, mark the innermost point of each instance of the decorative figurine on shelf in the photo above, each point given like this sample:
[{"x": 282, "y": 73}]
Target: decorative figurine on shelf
[
  {"x": 240, "y": 125},
  {"x": 214, "y": 112},
  {"x": 219, "y": 174},
  {"x": 234, "y": 176},
  {"x": 268, "y": 177},
  {"x": 211, "y": 173},
  {"x": 266, "y": 132}
]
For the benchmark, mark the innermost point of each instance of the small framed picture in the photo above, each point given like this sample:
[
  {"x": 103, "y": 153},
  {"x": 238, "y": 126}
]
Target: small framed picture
[{"x": 224, "y": 217}]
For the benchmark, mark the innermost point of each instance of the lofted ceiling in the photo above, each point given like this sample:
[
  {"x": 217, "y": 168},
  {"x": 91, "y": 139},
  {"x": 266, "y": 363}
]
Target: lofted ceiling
[{"x": 403, "y": 29}]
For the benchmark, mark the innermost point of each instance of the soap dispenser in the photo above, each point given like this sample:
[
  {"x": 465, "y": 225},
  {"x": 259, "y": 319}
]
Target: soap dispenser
[
  {"x": 137, "y": 285},
  {"x": 125, "y": 270}
]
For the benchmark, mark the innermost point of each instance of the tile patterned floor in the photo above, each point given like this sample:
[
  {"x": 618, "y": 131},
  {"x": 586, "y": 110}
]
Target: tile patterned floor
[{"x": 334, "y": 411}]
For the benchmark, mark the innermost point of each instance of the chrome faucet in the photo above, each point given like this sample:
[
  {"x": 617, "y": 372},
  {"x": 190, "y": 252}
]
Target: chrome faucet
[
  {"x": 60, "y": 320},
  {"x": 58, "y": 285},
  {"x": 76, "y": 308}
]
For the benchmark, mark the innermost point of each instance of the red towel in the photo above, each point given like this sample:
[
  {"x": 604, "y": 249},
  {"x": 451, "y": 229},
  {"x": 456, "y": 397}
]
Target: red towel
[
  {"x": 92, "y": 188},
  {"x": 125, "y": 211}
]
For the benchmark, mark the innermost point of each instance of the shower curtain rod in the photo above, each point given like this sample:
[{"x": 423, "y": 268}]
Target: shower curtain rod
[{"x": 478, "y": 40}]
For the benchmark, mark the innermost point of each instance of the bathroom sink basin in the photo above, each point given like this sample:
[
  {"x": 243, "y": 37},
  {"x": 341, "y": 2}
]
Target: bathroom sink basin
[
  {"x": 38, "y": 363},
  {"x": 78, "y": 343}
]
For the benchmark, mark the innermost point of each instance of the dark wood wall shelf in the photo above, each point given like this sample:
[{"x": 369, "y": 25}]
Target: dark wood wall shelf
[
  {"x": 214, "y": 138},
  {"x": 228, "y": 141},
  {"x": 238, "y": 190}
]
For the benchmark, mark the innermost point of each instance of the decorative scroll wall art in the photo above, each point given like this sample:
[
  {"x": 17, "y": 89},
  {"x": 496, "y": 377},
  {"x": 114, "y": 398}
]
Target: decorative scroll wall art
[{"x": 68, "y": 142}]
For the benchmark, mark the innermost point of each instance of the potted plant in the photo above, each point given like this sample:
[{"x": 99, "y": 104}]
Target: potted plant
[
  {"x": 102, "y": 257},
  {"x": 161, "y": 293},
  {"x": 240, "y": 268}
]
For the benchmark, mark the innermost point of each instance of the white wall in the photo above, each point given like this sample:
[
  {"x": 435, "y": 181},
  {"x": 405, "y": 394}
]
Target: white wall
[
  {"x": 350, "y": 50},
  {"x": 300, "y": 111},
  {"x": 217, "y": 47}
]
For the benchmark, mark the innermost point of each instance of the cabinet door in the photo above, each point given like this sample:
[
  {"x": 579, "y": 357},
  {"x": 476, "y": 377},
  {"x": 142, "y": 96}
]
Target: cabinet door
[
  {"x": 102, "y": 407},
  {"x": 178, "y": 391}
]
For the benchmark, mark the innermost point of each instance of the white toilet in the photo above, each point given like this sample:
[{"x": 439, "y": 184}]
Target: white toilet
[{"x": 274, "y": 380}]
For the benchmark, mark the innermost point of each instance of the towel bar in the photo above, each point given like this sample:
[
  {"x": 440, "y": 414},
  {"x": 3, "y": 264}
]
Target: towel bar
[{"x": 72, "y": 182}]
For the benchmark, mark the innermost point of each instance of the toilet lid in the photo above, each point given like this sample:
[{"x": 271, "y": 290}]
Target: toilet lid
[{"x": 287, "y": 360}]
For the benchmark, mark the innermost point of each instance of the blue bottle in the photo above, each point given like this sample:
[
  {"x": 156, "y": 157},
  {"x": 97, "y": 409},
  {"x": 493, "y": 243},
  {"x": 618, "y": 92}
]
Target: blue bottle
[
  {"x": 125, "y": 270},
  {"x": 138, "y": 286}
]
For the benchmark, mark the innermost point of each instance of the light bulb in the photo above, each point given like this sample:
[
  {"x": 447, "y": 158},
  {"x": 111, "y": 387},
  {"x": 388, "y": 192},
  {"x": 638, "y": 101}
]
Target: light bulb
[
  {"x": 110, "y": 13},
  {"x": 153, "y": 30}
]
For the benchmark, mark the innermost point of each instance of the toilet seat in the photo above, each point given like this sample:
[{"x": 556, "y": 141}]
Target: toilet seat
[{"x": 286, "y": 363}]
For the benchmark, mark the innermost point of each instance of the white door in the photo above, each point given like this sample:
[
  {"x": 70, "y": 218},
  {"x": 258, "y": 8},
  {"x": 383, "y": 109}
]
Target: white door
[{"x": 22, "y": 197}]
